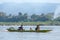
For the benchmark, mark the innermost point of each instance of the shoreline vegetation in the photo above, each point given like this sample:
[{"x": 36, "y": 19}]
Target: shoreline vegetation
[
  {"x": 26, "y": 19},
  {"x": 30, "y": 23}
]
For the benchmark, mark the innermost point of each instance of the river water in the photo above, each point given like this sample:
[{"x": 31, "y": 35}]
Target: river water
[{"x": 53, "y": 35}]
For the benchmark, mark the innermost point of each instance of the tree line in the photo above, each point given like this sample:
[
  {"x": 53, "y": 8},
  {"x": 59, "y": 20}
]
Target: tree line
[{"x": 27, "y": 18}]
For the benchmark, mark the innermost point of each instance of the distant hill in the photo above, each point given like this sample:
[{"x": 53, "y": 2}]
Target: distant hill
[{"x": 29, "y": 8}]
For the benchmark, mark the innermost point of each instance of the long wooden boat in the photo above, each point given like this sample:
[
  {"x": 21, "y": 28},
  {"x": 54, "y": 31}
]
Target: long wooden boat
[{"x": 28, "y": 30}]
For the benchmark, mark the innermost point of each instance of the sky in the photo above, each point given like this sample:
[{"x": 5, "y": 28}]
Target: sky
[
  {"x": 30, "y": 1},
  {"x": 33, "y": 5}
]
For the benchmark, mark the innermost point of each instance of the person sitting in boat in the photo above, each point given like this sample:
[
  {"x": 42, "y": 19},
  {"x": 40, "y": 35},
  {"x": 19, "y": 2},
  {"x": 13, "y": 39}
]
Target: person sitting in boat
[
  {"x": 37, "y": 28},
  {"x": 30, "y": 29},
  {"x": 21, "y": 28}
]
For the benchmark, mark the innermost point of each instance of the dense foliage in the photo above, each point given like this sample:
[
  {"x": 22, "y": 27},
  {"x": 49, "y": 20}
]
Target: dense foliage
[{"x": 27, "y": 18}]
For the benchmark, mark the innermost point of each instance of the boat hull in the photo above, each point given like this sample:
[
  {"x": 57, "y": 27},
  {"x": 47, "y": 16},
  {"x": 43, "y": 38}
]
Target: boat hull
[{"x": 29, "y": 31}]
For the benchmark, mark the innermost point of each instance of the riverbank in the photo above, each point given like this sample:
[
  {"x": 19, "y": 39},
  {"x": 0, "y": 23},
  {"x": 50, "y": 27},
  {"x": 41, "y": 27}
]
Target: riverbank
[{"x": 29, "y": 23}]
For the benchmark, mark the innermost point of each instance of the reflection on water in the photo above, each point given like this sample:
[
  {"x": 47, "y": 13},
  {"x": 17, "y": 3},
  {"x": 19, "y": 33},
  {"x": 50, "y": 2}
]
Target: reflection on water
[{"x": 53, "y": 35}]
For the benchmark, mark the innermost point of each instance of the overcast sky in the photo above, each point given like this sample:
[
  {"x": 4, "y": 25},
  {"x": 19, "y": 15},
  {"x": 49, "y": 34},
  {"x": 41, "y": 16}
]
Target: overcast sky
[
  {"x": 30, "y": 1},
  {"x": 44, "y": 7}
]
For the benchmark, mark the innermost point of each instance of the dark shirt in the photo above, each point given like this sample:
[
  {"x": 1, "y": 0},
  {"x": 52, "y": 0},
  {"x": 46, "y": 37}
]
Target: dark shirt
[{"x": 20, "y": 28}]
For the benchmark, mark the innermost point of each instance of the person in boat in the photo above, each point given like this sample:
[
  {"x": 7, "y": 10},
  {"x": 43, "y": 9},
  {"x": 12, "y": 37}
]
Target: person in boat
[
  {"x": 30, "y": 29},
  {"x": 37, "y": 28},
  {"x": 20, "y": 28}
]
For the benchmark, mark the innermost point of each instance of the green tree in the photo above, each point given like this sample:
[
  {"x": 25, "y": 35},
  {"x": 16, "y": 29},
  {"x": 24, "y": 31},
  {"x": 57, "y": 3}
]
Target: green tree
[
  {"x": 34, "y": 17},
  {"x": 25, "y": 17}
]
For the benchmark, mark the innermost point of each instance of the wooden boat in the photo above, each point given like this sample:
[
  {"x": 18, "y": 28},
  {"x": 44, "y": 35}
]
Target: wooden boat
[
  {"x": 28, "y": 30},
  {"x": 11, "y": 29}
]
